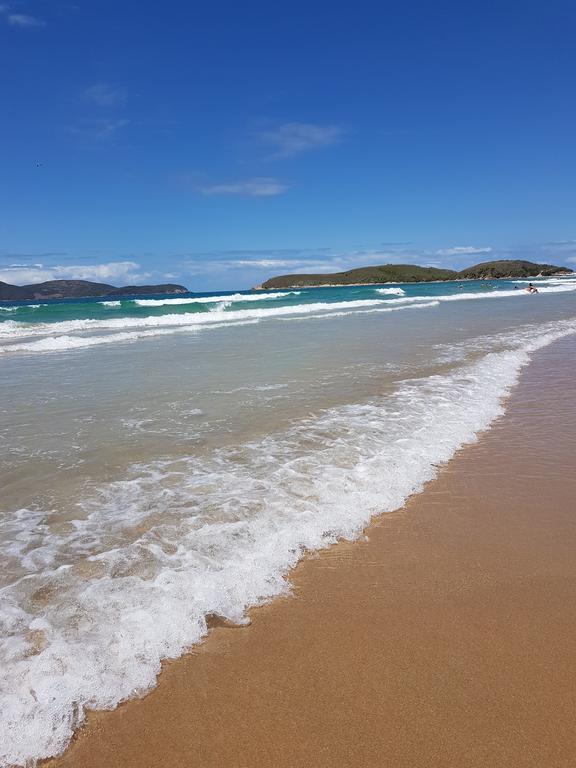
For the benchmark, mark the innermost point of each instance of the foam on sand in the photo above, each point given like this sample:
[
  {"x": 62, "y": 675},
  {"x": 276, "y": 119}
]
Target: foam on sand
[{"x": 95, "y": 605}]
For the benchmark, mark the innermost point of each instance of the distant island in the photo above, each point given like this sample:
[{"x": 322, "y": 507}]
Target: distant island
[
  {"x": 80, "y": 289},
  {"x": 410, "y": 273}
]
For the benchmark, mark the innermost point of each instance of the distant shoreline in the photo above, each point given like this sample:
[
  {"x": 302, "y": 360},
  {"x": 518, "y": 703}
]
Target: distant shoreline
[
  {"x": 415, "y": 282},
  {"x": 82, "y": 289}
]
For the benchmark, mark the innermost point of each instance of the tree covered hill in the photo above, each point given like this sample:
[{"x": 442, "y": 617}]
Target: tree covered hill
[
  {"x": 72, "y": 289},
  {"x": 410, "y": 273}
]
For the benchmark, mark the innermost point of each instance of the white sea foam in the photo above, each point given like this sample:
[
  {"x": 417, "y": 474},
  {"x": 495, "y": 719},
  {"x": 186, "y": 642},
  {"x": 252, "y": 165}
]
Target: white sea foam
[
  {"x": 13, "y": 330},
  {"x": 67, "y": 342},
  {"x": 552, "y": 280},
  {"x": 110, "y": 303},
  {"x": 99, "y": 602},
  {"x": 233, "y": 297},
  {"x": 342, "y": 313},
  {"x": 487, "y": 294},
  {"x": 391, "y": 291},
  {"x": 75, "y": 334}
]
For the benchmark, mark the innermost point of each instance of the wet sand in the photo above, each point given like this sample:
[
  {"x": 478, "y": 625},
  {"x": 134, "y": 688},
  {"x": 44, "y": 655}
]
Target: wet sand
[{"x": 447, "y": 639}]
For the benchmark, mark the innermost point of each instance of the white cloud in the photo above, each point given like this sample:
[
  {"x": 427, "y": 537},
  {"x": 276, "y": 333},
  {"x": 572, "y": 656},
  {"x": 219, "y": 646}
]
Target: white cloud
[
  {"x": 20, "y": 19},
  {"x": 292, "y": 139},
  {"x": 462, "y": 250},
  {"x": 263, "y": 263},
  {"x": 319, "y": 260},
  {"x": 123, "y": 271},
  {"x": 256, "y": 187},
  {"x": 250, "y": 266},
  {"x": 104, "y": 95},
  {"x": 277, "y": 263},
  {"x": 224, "y": 266}
]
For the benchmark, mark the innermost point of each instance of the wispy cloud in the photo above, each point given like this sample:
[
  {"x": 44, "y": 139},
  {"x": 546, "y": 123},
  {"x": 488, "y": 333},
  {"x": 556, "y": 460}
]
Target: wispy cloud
[
  {"x": 21, "y": 274},
  {"x": 276, "y": 263},
  {"x": 463, "y": 250},
  {"x": 99, "y": 129},
  {"x": 105, "y": 95},
  {"x": 24, "y": 266},
  {"x": 290, "y": 139},
  {"x": 24, "y": 259},
  {"x": 23, "y": 20},
  {"x": 277, "y": 260},
  {"x": 260, "y": 263},
  {"x": 255, "y": 187},
  {"x": 20, "y": 19}
]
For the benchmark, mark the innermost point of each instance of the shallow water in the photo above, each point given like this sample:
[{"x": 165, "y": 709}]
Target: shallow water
[{"x": 163, "y": 462}]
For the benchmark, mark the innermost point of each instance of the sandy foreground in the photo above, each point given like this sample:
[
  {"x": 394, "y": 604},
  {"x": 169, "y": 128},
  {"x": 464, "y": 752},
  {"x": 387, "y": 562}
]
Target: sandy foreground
[{"x": 446, "y": 639}]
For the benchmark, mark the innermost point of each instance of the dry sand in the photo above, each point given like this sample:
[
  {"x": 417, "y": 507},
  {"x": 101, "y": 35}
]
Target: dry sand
[{"x": 446, "y": 640}]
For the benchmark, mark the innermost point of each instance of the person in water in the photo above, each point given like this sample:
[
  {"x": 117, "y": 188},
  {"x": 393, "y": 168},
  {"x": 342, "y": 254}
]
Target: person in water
[{"x": 532, "y": 288}]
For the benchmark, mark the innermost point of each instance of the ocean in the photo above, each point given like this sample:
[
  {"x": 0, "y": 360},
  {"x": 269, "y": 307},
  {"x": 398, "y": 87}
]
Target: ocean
[{"x": 168, "y": 460}]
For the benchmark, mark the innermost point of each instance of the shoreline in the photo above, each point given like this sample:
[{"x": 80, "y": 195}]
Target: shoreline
[{"x": 378, "y": 633}]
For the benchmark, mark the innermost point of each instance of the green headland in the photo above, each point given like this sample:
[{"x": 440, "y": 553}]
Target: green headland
[{"x": 411, "y": 273}]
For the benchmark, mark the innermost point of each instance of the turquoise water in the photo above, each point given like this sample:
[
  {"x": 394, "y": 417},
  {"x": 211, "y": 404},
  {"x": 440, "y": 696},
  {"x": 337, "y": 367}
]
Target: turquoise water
[
  {"x": 36, "y": 326},
  {"x": 163, "y": 461}
]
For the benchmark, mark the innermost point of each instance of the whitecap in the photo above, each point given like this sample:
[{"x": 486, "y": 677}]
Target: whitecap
[
  {"x": 230, "y": 298},
  {"x": 391, "y": 291}
]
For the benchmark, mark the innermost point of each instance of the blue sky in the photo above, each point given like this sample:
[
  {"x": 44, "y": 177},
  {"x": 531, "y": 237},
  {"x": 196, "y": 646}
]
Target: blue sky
[{"x": 219, "y": 144}]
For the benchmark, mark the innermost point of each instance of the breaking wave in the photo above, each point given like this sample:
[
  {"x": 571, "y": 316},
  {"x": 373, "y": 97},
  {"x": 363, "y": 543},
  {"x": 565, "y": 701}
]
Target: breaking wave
[
  {"x": 229, "y": 299},
  {"x": 95, "y": 605}
]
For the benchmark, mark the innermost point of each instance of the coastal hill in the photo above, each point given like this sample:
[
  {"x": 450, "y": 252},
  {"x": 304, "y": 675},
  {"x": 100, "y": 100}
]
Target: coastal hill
[
  {"x": 410, "y": 273},
  {"x": 386, "y": 273},
  {"x": 76, "y": 289},
  {"x": 490, "y": 270}
]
